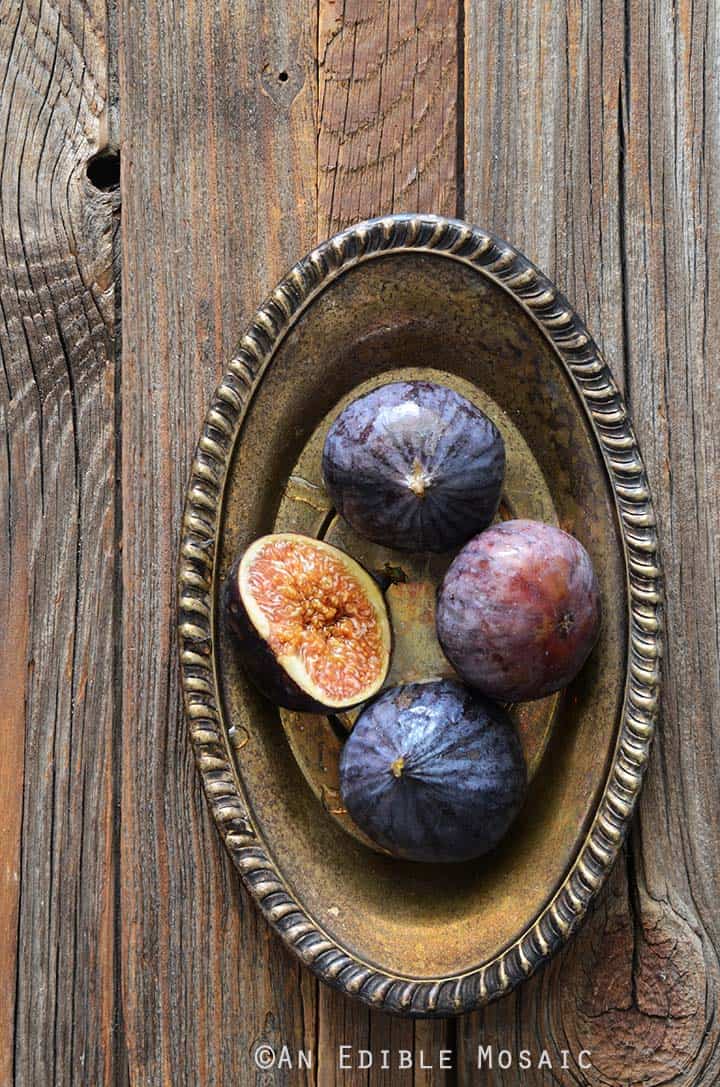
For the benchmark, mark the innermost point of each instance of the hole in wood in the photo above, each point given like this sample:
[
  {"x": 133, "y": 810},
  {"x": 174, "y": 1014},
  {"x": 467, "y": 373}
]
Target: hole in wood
[
  {"x": 103, "y": 170},
  {"x": 283, "y": 77}
]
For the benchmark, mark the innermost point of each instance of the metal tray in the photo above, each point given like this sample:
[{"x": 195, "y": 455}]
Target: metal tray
[{"x": 420, "y": 295}]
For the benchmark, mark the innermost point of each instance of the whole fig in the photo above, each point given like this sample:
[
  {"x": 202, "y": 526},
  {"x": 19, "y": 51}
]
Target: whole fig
[
  {"x": 433, "y": 772},
  {"x": 414, "y": 466},
  {"x": 519, "y": 610}
]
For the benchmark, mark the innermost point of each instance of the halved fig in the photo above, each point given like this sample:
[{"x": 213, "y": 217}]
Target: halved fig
[{"x": 312, "y": 624}]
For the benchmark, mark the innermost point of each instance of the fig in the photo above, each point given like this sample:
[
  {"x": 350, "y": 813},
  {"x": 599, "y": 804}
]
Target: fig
[
  {"x": 415, "y": 466},
  {"x": 433, "y": 772},
  {"x": 312, "y": 624},
  {"x": 519, "y": 610}
]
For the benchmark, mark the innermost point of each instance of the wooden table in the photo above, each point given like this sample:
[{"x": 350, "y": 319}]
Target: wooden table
[{"x": 585, "y": 132}]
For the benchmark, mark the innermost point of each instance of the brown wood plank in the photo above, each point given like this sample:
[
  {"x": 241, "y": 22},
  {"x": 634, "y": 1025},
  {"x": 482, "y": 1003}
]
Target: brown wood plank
[
  {"x": 219, "y": 151},
  {"x": 592, "y": 144},
  {"x": 387, "y": 141},
  {"x": 388, "y": 89},
  {"x": 357, "y": 1047},
  {"x": 340, "y": 1023},
  {"x": 591, "y": 140},
  {"x": 59, "y": 1014}
]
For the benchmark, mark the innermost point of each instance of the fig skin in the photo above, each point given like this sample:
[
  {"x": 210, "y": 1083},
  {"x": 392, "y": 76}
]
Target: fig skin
[
  {"x": 258, "y": 659},
  {"x": 519, "y": 610},
  {"x": 433, "y": 772},
  {"x": 414, "y": 466}
]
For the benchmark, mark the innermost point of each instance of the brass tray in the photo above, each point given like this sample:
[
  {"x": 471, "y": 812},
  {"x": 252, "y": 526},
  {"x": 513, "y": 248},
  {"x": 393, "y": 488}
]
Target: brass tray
[{"x": 419, "y": 294}]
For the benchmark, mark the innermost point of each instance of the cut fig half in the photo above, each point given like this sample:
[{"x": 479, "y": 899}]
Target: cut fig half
[{"x": 312, "y": 624}]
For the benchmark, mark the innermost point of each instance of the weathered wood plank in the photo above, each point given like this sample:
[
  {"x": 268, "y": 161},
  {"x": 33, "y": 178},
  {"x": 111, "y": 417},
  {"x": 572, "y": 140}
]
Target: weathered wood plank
[
  {"x": 387, "y": 141},
  {"x": 592, "y": 143},
  {"x": 59, "y": 1014},
  {"x": 340, "y": 1023},
  {"x": 219, "y": 151},
  {"x": 388, "y": 88}
]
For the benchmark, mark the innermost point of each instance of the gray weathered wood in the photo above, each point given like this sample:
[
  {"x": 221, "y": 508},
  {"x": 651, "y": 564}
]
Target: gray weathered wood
[
  {"x": 387, "y": 141},
  {"x": 387, "y": 127},
  {"x": 592, "y": 143},
  {"x": 218, "y": 198},
  {"x": 59, "y": 1002}
]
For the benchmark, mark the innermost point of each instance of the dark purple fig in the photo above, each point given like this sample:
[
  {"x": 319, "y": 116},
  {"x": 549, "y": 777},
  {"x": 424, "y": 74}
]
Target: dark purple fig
[
  {"x": 312, "y": 624},
  {"x": 519, "y": 610},
  {"x": 414, "y": 466},
  {"x": 433, "y": 772}
]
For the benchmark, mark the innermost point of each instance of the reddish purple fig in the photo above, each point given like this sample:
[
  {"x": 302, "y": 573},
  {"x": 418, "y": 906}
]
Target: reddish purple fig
[{"x": 519, "y": 610}]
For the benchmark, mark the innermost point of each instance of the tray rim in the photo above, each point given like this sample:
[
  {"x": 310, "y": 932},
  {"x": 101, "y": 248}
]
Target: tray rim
[{"x": 604, "y": 406}]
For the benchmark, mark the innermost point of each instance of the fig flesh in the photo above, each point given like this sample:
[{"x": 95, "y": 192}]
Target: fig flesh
[
  {"x": 312, "y": 624},
  {"x": 414, "y": 465},
  {"x": 433, "y": 772},
  {"x": 519, "y": 610}
]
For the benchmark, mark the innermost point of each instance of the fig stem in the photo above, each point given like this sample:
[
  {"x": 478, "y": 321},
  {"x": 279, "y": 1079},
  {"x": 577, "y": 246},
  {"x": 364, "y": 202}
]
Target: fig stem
[
  {"x": 417, "y": 479},
  {"x": 398, "y": 766}
]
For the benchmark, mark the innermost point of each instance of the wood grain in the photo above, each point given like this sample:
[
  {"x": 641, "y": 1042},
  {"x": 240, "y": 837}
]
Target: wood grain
[
  {"x": 591, "y": 143},
  {"x": 59, "y": 1013},
  {"x": 388, "y": 89},
  {"x": 368, "y": 1048},
  {"x": 388, "y": 84},
  {"x": 218, "y": 199}
]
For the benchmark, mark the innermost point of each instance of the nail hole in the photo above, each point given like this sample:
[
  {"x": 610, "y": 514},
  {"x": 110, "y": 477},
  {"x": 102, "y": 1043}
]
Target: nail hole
[
  {"x": 103, "y": 170},
  {"x": 283, "y": 77}
]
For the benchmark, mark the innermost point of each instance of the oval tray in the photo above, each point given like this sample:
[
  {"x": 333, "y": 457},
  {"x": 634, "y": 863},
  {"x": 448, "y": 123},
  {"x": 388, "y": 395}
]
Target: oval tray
[{"x": 419, "y": 291}]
